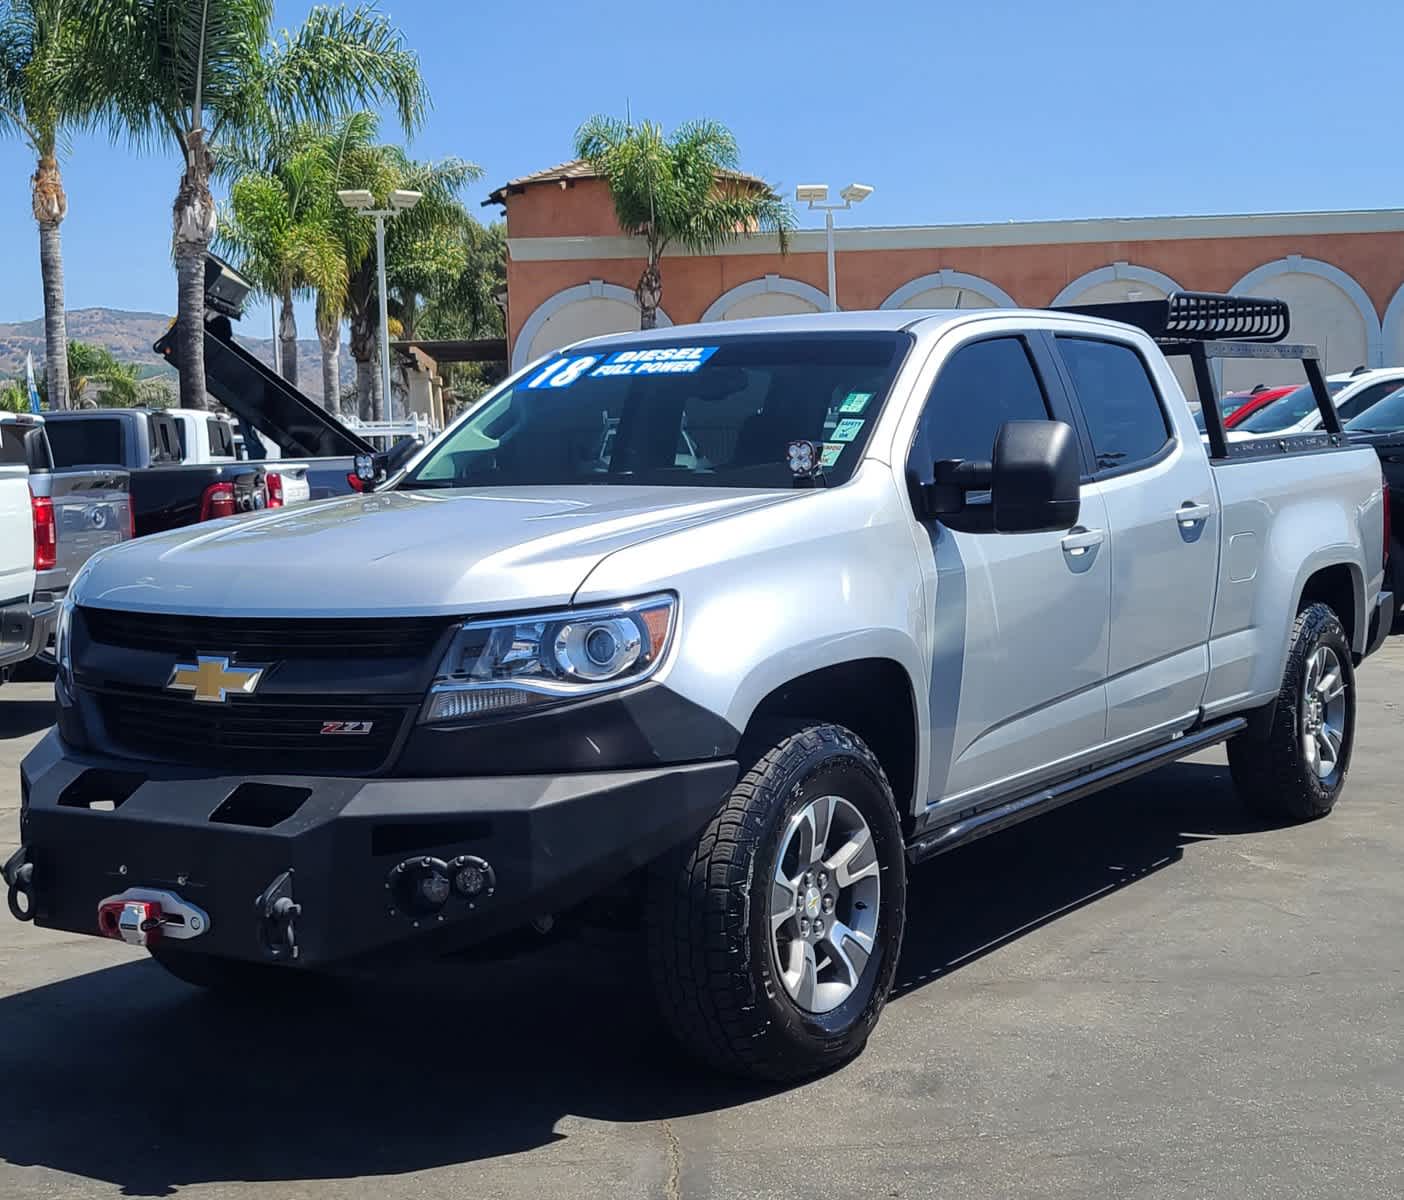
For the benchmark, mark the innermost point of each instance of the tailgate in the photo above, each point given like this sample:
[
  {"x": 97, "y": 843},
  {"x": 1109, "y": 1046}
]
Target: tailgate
[{"x": 92, "y": 510}]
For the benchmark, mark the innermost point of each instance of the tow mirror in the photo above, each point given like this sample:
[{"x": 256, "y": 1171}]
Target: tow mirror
[{"x": 1031, "y": 485}]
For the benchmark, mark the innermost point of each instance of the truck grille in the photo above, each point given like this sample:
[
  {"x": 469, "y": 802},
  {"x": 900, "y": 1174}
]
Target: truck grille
[
  {"x": 266, "y": 639},
  {"x": 252, "y": 737}
]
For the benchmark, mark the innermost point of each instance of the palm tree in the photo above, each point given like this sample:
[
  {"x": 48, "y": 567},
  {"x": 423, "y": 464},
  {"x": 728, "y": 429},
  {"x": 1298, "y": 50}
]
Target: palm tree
[
  {"x": 686, "y": 189},
  {"x": 423, "y": 246},
  {"x": 465, "y": 304},
  {"x": 283, "y": 229},
  {"x": 115, "y": 383},
  {"x": 196, "y": 73},
  {"x": 45, "y": 55}
]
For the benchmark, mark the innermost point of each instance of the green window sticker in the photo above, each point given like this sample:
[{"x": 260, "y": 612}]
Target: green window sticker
[
  {"x": 830, "y": 452},
  {"x": 855, "y": 402},
  {"x": 847, "y": 430}
]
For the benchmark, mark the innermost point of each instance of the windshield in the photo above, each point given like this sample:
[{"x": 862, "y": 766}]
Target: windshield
[
  {"x": 1285, "y": 410},
  {"x": 1384, "y": 416},
  {"x": 712, "y": 412}
]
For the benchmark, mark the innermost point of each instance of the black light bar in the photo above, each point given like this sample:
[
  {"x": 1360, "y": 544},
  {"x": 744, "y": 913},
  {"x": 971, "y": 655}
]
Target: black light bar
[
  {"x": 1197, "y": 316},
  {"x": 225, "y": 289}
]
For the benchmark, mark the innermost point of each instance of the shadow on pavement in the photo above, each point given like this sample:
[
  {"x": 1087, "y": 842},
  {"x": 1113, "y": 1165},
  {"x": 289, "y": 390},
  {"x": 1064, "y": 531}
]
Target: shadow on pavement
[
  {"x": 127, "y": 1076},
  {"x": 21, "y": 717}
]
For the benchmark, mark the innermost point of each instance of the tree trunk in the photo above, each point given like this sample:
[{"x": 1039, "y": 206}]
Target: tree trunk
[
  {"x": 649, "y": 292},
  {"x": 193, "y": 227},
  {"x": 364, "y": 373},
  {"x": 365, "y": 321},
  {"x": 329, "y": 334},
  {"x": 287, "y": 335},
  {"x": 50, "y": 207},
  {"x": 378, "y": 397}
]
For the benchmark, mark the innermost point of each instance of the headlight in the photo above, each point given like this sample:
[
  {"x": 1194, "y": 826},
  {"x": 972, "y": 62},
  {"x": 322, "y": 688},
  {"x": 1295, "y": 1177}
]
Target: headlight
[
  {"x": 63, "y": 637},
  {"x": 524, "y": 662}
]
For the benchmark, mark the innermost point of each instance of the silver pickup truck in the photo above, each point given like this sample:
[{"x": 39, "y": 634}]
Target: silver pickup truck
[{"x": 729, "y": 623}]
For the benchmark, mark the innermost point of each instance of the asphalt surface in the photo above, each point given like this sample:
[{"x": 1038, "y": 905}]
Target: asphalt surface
[{"x": 1149, "y": 994}]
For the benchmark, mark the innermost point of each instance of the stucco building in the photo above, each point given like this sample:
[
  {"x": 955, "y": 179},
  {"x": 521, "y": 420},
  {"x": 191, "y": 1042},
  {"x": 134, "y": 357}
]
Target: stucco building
[{"x": 571, "y": 273}]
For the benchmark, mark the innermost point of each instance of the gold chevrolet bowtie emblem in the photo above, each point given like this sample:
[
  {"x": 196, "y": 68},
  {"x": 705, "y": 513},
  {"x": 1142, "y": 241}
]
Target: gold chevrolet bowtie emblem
[{"x": 213, "y": 679}]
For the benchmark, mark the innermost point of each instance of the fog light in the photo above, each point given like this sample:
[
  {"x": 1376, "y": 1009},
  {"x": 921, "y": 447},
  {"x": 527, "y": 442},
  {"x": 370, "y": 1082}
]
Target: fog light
[
  {"x": 420, "y": 885},
  {"x": 472, "y": 877}
]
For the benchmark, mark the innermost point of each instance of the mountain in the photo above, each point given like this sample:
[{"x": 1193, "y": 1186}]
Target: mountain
[{"x": 130, "y": 336}]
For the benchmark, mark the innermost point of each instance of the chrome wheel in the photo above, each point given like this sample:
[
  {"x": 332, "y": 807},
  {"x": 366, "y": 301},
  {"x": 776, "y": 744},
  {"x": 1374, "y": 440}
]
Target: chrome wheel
[
  {"x": 824, "y": 903},
  {"x": 1323, "y": 712}
]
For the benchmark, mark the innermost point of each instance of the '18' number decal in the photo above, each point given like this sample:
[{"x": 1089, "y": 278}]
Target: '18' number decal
[{"x": 563, "y": 372}]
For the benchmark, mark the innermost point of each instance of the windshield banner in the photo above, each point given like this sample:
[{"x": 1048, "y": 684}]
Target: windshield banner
[{"x": 666, "y": 360}]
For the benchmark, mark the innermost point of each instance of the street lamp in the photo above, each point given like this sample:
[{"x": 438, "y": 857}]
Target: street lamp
[
  {"x": 361, "y": 201},
  {"x": 816, "y": 196}
]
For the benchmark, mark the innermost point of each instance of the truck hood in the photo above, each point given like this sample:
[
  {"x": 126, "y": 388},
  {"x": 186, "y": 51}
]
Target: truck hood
[{"x": 401, "y": 553}]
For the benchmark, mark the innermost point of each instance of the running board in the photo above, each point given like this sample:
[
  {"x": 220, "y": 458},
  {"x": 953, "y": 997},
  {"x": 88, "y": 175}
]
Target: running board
[{"x": 970, "y": 826}]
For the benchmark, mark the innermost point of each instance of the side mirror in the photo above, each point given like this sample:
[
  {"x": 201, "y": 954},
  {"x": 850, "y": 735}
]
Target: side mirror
[{"x": 1033, "y": 483}]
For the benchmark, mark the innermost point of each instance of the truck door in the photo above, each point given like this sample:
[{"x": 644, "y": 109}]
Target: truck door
[
  {"x": 1019, "y": 620},
  {"x": 1164, "y": 552}
]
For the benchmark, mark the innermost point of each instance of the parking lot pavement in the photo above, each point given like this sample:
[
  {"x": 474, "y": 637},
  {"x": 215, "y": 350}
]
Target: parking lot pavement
[{"x": 1145, "y": 995}]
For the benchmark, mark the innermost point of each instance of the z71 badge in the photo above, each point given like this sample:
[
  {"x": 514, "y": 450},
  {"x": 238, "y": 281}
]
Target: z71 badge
[{"x": 346, "y": 728}]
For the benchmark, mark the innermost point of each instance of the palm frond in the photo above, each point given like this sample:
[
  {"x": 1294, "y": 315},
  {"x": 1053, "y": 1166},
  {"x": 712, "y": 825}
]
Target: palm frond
[{"x": 341, "y": 59}]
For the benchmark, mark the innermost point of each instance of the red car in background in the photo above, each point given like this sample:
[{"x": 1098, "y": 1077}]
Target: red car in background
[
  {"x": 1250, "y": 402},
  {"x": 1236, "y": 406}
]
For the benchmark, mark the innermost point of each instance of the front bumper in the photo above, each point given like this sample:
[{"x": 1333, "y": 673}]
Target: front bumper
[
  {"x": 25, "y": 630},
  {"x": 220, "y": 841},
  {"x": 1380, "y": 621}
]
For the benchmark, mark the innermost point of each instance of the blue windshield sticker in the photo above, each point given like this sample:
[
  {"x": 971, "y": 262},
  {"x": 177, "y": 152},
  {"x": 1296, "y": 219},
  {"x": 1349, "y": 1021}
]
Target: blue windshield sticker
[
  {"x": 563, "y": 372},
  {"x": 847, "y": 430},
  {"x": 666, "y": 360},
  {"x": 830, "y": 452},
  {"x": 855, "y": 402}
]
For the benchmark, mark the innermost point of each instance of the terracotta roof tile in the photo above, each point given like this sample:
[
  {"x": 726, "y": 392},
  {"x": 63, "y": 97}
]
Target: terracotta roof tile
[{"x": 578, "y": 168}]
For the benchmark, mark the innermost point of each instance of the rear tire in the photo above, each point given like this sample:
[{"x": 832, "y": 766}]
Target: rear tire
[
  {"x": 1296, "y": 771},
  {"x": 742, "y": 924}
]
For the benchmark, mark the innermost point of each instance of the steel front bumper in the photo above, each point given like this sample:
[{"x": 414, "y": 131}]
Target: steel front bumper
[{"x": 218, "y": 842}]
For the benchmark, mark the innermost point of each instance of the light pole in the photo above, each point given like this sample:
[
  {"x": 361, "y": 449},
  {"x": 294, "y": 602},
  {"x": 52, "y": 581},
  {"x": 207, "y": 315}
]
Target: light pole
[
  {"x": 362, "y": 201},
  {"x": 816, "y": 195}
]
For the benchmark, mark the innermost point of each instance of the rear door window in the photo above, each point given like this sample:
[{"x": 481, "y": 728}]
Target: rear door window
[
  {"x": 1119, "y": 401},
  {"x": 86, "y": 441},
  {"x": 166, "y": 443},
  {"x": 221, "y": 438}
]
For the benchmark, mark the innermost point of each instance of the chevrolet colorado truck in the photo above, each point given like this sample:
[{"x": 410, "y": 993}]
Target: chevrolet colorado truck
[{"x": 732, "y": 624}]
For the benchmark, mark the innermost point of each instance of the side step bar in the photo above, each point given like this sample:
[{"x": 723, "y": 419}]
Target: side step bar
[{"x": 1002, "y": 814}]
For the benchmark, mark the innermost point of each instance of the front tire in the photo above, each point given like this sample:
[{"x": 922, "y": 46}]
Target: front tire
[
  {"x": 1297, "y": 770},
  {"x": 773, "y": 939}
]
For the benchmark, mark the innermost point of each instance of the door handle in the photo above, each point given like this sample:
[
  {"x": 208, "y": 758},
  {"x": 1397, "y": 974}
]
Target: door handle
[
  {"x": 1080, "y": 541},
  {"x": 1189, "y": 513}
]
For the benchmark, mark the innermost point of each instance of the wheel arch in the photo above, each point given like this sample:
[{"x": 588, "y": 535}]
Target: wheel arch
[
  {"x": 1341, "y": 585},
  {"x": 873, "y": 697}
]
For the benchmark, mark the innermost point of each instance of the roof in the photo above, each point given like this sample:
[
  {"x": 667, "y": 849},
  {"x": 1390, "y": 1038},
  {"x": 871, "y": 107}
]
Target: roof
[
  {"x": 883, "y": 320},
  {"x": 578, "y": 168},
  {"x": 457, "y": 350},
  {"x": 886, "y": 320}
]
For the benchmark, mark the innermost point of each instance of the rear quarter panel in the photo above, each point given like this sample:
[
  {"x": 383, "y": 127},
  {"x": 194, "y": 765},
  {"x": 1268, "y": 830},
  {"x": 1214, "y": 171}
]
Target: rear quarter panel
[{"x": 1283, "y": 520}]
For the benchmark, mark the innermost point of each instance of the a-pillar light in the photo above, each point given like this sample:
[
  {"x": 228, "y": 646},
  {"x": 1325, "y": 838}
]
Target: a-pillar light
[{"x": 802, "y": 457}]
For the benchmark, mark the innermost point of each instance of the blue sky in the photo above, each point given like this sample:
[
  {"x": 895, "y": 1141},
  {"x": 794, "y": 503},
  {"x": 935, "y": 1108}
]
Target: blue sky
[{"x": 1006, "y": 110}]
